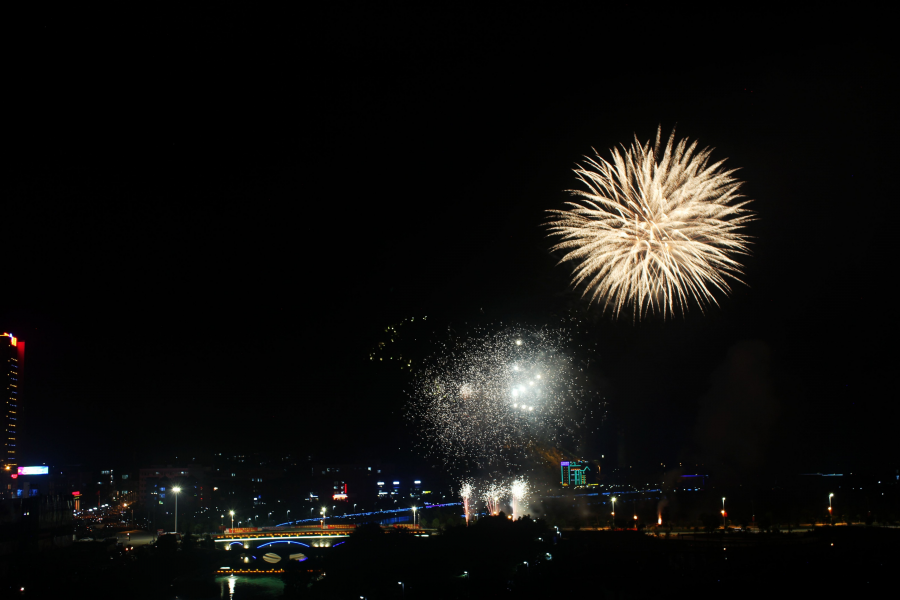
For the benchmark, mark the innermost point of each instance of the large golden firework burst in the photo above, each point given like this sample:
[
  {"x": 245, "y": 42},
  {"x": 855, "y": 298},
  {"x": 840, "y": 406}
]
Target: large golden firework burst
[{"x": 655, "y": 227}]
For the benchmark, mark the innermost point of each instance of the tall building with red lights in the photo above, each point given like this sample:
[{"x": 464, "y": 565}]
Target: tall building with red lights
[{"x": 13, "y": 368}]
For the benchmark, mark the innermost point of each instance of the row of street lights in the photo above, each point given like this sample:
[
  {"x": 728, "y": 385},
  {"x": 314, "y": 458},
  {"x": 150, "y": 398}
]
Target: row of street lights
[
  {"x": 324, "y": 509},
  {"x": 724, "y": 514},
  {"x": 614, "y": 512}
]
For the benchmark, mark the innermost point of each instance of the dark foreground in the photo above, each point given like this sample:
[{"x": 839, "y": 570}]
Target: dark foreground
[{"x": 494, "y": 558}]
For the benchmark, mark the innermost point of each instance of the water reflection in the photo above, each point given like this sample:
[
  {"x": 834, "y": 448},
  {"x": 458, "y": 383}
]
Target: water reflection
[{"x": 239, "y": 587}]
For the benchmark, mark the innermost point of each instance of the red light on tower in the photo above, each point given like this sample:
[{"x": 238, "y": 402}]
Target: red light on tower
[{"x": 15, "y": 475}]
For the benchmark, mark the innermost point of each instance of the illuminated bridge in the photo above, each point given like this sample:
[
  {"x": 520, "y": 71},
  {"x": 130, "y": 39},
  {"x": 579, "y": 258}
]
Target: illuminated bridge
[{"x": 294, "y": 538}]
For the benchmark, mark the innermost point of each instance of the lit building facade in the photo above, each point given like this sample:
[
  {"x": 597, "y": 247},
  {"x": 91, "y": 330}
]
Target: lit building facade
[
  {"x": 573, "y": 473},
  {"x": 153, "y": 481},
  {"x": 13, "y": 367}
]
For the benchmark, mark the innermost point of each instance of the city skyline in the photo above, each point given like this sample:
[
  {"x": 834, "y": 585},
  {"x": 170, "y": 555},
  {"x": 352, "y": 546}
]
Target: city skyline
[{"x": 389, "y": 301}]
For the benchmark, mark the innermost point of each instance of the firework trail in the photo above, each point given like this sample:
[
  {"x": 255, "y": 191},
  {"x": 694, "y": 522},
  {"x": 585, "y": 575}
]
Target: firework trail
[
  {"x": 655, "y": 228},
  {"x": 488, "y": 399},
  {"x": 466, "y": 492},
  {"x": 518, "y": 490},
  {"x": 491, "y": 497}
]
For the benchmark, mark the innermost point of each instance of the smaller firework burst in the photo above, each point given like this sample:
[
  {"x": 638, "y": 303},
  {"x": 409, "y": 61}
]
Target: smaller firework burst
[
  {"x": 491, "y": 496},
  {"x": 466, "y": 491},
  {"x": 518, "y": 491},
  {"x": 487, "y": 397}
]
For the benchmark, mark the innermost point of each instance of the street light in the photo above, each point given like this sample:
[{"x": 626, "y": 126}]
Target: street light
[
  {"x": 402, "y": 586},
  {"x": 232, "y": 520},
  {"x": 414, "y": 516},
  {"x": 830, "y": 515},
  {"x": 323, "y": 516},
  {"x": 614, "y": 511},
  {"x": 723, "y": 514},
  {"x": 175, "y": 491}
]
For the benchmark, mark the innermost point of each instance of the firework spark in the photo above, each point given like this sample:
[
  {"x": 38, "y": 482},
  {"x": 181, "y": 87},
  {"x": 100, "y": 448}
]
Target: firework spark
[
  {"x": 466, "y": 491},
  {"x": 518, "y": 490},
  {"x": 654, "y": 229},
  {"x": 488, "y": 399},
  {"x": 491, "y": 497}
]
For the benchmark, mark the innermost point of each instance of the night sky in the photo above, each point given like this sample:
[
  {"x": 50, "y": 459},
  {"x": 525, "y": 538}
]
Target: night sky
[{"x": 209, "y": 219}]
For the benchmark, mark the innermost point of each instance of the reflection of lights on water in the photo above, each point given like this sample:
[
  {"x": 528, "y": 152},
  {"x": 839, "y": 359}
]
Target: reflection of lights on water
[{"x": 231, "y": 581}]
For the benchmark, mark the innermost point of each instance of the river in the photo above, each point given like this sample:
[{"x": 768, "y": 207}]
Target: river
[{"x": 241, "y": 587}]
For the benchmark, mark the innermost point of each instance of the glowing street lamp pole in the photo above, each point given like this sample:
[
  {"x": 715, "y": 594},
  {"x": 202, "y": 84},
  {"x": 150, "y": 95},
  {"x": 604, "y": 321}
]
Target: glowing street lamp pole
[
  {"x": 723, "y": 514},
  {"x": 175, "y": 491},
  {"x": 232, "y": 520},
  {"x": 323, "y": 516},
  {"x": 414, "y": 516},
  {"x": 830, "y": 515},
  {"x": 614, "y": 511}
]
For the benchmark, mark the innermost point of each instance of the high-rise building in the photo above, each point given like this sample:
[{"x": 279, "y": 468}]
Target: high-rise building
[{"x": 13, "y": 369}]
